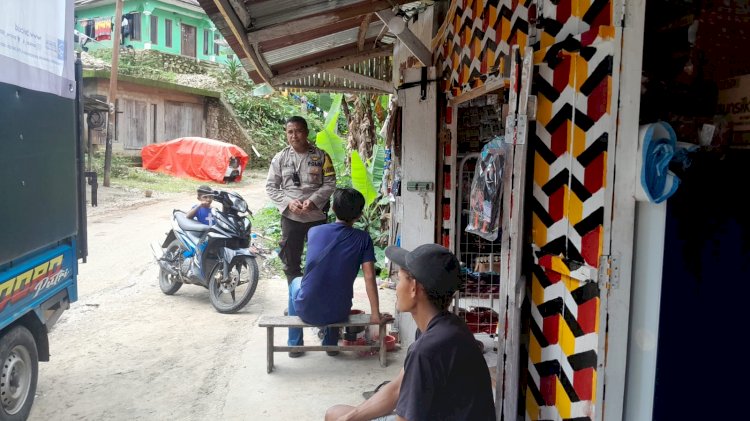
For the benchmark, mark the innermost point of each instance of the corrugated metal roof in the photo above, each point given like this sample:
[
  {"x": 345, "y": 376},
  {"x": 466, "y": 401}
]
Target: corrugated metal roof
[
  {"x": 267, "y": 13},
  {"x": 311, "y": 44},
  {"x": 317, "y": 45},
  {"x": 380, "y": 68}
]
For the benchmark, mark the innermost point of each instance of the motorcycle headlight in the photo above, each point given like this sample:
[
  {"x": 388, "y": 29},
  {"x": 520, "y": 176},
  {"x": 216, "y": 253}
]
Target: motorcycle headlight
[{"x": 238, "y": 203}]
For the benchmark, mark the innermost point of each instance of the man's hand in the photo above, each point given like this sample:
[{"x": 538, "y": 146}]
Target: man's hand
[
  {"x": 296, "y": 206},
  {"x": 308, "y": 205},
  {"x": 380, "y": 318}
]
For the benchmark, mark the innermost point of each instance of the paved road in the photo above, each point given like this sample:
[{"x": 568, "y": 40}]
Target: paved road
[{"x": 125, "y": 351}]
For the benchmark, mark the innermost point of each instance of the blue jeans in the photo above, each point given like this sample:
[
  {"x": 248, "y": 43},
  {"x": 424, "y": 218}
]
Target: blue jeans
[{"x": 295, "y": 334}]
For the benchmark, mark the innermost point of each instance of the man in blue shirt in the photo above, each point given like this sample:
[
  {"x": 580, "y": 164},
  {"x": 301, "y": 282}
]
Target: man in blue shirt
[
  {"x": 335, "y": 253},
  {"x": 445, "y": 376}
]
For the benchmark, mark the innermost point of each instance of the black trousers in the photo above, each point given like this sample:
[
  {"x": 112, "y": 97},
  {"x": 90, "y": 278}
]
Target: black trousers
[{"x": 293, "y": 237}]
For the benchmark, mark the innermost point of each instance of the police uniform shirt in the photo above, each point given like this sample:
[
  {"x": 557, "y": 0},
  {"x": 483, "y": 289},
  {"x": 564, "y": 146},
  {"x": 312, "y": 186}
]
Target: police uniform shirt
[{"x": 317, "y": 181}]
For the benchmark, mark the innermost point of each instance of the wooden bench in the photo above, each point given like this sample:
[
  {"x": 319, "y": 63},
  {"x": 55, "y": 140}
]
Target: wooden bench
[{"x": 355, "y": 320}]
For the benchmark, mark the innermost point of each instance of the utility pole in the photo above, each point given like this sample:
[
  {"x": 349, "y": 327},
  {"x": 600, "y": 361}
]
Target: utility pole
[{"x": 112, "y": 98}]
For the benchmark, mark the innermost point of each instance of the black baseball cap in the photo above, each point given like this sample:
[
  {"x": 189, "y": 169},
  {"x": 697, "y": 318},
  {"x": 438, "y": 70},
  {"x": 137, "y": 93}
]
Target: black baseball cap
[{"x": 432, "y": 265}]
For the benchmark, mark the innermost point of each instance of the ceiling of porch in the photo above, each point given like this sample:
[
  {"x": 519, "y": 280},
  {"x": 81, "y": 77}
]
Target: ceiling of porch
[{"x": 323, "y": 45}]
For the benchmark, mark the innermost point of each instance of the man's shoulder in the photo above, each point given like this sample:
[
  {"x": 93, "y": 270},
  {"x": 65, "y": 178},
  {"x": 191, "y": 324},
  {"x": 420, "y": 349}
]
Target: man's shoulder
[
  {"x": 316, "y": 150},
  {"x": 445, "y": 327},
  {"x": 281, "y": 153}
]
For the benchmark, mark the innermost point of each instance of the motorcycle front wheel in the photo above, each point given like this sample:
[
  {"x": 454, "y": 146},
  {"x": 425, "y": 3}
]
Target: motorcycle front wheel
[
  {"x": 231, "y": 294},
  {"x": 168, "y": 282}
]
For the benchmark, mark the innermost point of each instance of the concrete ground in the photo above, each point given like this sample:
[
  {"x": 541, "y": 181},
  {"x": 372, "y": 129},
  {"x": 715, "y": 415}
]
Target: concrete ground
[
  {"x": 126, "y": 351},
  {"x": 304, "y": 387}
]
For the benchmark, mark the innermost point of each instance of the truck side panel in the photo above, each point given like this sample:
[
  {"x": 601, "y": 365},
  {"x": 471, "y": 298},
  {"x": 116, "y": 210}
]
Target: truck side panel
[
  {"x": 37, "y": 171},
  {"x": 25, "y": 286}
]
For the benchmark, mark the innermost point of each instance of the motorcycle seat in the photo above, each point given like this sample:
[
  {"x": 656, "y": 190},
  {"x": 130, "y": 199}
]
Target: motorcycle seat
[{"x": 190, "y": 224}]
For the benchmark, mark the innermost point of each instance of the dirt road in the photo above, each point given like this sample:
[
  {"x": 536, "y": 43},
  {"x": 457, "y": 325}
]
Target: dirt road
[{"x": 125, "y": 351}]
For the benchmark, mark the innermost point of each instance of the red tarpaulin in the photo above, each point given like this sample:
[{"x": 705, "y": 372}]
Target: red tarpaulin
[{"x": 195, "y": 157}]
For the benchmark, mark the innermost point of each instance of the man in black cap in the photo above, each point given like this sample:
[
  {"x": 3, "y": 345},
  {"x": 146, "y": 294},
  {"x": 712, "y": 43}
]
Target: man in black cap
[{"x": 445, "y": 376}]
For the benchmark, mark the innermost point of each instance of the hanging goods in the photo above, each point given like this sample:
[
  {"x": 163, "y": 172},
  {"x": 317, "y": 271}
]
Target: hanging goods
[
  {"x": 486, "y": 190},
  {"x": 657, "y": 144}
]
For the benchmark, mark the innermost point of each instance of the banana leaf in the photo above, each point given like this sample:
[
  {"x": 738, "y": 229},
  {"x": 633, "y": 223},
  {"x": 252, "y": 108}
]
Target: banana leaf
[
  {"x": 361, "y": 180},
  {"x": 329, "y": 141},
  {"x": 376, "y": 166}
]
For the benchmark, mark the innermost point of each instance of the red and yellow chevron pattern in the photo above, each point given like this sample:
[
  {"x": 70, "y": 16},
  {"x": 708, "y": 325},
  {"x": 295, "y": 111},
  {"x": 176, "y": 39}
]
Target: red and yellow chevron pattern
[
  {"x": 562, "y": 347},
  {"x": 573, "y": 84},
  {"x": 479, "y": 37}
]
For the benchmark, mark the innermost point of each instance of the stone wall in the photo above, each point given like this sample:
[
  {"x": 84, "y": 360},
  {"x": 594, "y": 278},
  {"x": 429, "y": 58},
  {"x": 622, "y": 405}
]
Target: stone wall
[
  {"x": 174, "y": 63},
  {"x": 221, "y": 125}
]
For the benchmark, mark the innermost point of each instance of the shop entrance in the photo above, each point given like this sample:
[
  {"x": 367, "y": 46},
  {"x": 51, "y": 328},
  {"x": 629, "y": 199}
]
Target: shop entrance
[{"x": 696, "y": 77}]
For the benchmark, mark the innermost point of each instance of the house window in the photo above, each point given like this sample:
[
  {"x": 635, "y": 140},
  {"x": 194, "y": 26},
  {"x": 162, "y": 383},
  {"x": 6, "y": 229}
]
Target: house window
[
  {"x": 154, "y": 29},
  {"x": 216, "y": 45},
  {"x": 135, "y": 26},
  {"x": 168, "y": 32},
  {"x": 205, "y": 42}
]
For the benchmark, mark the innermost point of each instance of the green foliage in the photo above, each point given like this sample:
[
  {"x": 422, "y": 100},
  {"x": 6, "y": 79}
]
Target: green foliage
[
  {"x": 372, "y": 223},
  {"x": 120, "y": 166},
  {"x": 329, "y": 141},
  {"x": 234, "y": 70},
  {"x": 361, "y": 179},
  {"x": 264, "y": 119},
  {"x": 126, "y": 172},
  {"x": 267, "y": 222},
  {"x": 376, "y": 166},
  {"x": 146, "y": 66}
]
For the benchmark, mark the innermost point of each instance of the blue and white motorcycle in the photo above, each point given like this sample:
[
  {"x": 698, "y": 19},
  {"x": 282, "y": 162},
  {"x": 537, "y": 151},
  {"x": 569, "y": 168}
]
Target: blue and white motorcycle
[{"x": 216, "y": 257}]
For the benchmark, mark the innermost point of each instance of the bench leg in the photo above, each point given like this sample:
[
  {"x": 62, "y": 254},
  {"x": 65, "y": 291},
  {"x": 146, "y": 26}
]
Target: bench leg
[
  {"x": 269, "y": 349},
  {"x": 382, "y": 346}
]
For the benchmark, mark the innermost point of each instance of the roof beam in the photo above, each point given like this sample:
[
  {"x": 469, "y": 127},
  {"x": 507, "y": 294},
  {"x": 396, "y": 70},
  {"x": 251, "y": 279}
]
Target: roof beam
[
  {"x": 306, "y": 23},
  {"x": 239, "y": 8},
  {"x": 264, "y": 68},
  {"x": 378, "y": 84},
  {"x": 236, "y": 26},
  {"x": 363, "y": 31},
  {"x": 277, "y": 43},
  {"x": 313, "y": 88},
  {"x": 407, "y": 37},
  {"x": 332, "y": 64}
]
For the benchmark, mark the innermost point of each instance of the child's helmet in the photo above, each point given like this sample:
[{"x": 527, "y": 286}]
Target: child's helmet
[{"x": 204, "y": 189}]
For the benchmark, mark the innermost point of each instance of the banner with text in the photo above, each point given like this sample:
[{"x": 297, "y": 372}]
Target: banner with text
[{"x": 36, "y": 45}]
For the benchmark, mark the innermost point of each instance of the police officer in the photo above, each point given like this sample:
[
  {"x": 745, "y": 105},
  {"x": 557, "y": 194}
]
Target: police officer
[{"x": 300, "y": 182}]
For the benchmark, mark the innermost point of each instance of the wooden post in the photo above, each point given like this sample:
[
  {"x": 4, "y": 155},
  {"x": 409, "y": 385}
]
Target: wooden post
[
  {"x": 383, "y": 349},
  {"x": 514, "y": 187},
  {"x": 269, "y": 349},
  {"x": 112, "y": 97}
]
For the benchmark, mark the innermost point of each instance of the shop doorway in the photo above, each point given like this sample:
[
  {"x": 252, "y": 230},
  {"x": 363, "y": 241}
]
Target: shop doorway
[{"x": 696, "y": 77}]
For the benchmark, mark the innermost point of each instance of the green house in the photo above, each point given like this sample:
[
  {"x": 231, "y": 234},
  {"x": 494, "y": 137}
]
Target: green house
[{"x": 169, "y": 26}]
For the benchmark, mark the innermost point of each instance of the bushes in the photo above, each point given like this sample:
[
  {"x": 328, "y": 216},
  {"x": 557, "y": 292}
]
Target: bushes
[{"x": 264, "y": 119}]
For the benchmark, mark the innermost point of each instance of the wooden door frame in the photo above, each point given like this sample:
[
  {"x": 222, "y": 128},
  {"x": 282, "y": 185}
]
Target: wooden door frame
[{"x": 182, "y": 40}]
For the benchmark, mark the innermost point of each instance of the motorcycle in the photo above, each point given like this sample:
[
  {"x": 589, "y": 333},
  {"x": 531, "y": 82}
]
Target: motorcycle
[{"x": 215, "y": 256}]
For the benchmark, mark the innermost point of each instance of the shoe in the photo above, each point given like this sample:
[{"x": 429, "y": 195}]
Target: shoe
[
  {"x": 332, "y": 353},
  {"x": 296, "y": 354}
]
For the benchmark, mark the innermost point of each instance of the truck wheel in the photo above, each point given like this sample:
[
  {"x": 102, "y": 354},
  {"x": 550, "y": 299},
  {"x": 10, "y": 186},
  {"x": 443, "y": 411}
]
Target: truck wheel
[
  {"x": 20, "y": 369},
  {"x": 169, "y": 283}
]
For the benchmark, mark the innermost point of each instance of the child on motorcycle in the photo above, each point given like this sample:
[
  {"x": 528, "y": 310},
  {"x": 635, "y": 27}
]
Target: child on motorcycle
[{"x": 202, "y": 211}]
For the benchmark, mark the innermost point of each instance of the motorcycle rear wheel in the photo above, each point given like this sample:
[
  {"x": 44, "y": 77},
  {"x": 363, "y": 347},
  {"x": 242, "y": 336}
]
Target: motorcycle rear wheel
[
  {"x": 231, "y": 294},
  {"x": 169, "y": 283}
]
